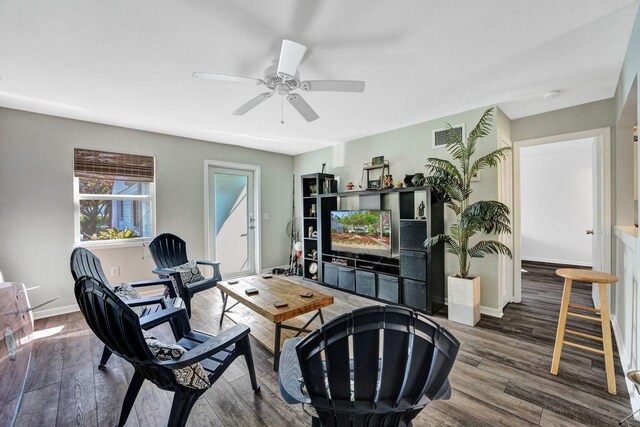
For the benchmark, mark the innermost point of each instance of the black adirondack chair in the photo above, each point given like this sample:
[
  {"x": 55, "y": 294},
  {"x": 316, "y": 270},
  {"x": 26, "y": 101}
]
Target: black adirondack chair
[
  {"x": 169, "y": 251},
  {"x": 85, "y": 263},
  {"x": 398, "y": 362},
  {"x": 120, "y": 329}
]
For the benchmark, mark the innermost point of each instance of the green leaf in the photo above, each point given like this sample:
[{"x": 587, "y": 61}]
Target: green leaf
[
  {"x": 489, "y": 160},
  {"x": 489, "y": 247},
  {"x": 444, "y": 168},
  {"x": 455, "y": 208},
  {"x": 481, "y": 129},
  {"x": 451, "y": 246},
  {"x": 457, "y": 192},
  {"x": 488, "y": 216}
]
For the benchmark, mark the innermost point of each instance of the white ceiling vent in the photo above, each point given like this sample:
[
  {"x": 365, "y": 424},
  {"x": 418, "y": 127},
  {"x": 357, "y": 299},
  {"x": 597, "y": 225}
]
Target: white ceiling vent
[{"x": 440, "y": 135}]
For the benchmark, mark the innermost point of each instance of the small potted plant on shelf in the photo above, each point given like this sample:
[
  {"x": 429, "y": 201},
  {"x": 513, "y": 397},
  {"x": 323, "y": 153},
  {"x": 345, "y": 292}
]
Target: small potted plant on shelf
[{"x": 453, "y": 184}]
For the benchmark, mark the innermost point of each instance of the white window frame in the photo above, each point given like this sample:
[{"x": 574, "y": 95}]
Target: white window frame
[{"x": 116, "y": 243}]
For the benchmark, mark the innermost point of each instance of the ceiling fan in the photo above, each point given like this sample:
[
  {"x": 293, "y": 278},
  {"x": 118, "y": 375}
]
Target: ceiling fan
[{"x": 282, "y": 77}]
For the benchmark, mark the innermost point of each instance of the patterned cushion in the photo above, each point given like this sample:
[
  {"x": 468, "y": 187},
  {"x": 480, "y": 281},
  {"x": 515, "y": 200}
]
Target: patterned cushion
[
  {"x": 189, "y": 272},
  {"x": 192, "y": 376},
  {"x": 126, "y": 292}
]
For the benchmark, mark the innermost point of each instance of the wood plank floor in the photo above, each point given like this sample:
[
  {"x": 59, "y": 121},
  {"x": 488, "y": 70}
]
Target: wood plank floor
[{"x": 501, "y": 376}]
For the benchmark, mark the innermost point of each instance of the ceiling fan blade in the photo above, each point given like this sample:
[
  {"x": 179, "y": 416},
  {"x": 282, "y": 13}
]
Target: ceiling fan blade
[
  {"x": 333, "y": 86},
  {"x": 225, "y": 77},
  {"x": 253, "y": 102},
  {"x": 291, "y": 55},
  {"x": 302, "y": 107}
]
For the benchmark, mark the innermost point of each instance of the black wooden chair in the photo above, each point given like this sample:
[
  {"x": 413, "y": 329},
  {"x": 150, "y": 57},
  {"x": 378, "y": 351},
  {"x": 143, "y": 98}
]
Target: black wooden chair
[
  {"x": 85, "y": 263},
  {"x": 169, "y": 251},
  {"x": 376, "y": 366},
  {"x": 121, "y": 330}
]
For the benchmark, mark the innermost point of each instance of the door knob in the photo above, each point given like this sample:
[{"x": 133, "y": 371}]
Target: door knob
[{"x": 589, "y": 231}]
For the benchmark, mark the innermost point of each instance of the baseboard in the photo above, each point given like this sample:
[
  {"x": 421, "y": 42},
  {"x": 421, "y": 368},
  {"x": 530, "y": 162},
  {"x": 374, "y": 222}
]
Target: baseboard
[
  {"x": 270, "y": 269},
  {"x": 634, "y": 397},
  {"x": 56, "y": 311},
  {"x": 491, "y": 311},
  {"x": 557, "y": 261},
  {"x": 487, "y": 311}
]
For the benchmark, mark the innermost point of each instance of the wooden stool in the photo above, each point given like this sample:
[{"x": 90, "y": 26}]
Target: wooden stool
[{"x": 602, "y": 316}]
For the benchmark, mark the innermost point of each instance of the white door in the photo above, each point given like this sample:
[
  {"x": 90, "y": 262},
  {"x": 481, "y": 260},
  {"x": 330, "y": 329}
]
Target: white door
[{"x": 232, "y": 220}]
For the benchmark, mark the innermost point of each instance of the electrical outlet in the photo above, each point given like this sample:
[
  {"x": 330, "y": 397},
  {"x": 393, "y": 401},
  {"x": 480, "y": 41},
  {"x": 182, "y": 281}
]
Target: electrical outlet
[{"x": 115, "y": 271}]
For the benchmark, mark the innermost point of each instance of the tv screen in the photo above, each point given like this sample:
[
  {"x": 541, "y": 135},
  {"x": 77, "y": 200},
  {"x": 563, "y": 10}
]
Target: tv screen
[{"x": 365, "y": 232}]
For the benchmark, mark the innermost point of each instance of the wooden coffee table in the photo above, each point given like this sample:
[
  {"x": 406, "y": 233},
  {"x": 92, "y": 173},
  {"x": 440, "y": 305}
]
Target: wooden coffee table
[{"x": 271, "y": 290}]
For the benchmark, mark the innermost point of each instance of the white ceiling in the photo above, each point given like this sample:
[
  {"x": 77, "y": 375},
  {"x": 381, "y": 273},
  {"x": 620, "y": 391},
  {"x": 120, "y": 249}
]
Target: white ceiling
[{"x": 128, "y": 63}]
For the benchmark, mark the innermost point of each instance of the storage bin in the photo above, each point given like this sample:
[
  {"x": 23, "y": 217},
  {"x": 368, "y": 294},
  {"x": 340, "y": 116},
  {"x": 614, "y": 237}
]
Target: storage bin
[
  {"x": 330, "y": 274},
  {"x": 414, "y": 294},
  {"x": 413, "y": 235},
  {"x": 413, "y": 265},
  {"x": 347, "y": 278},
  {"x": 366, "y": 283},
  {"x": 388, "y": 288}
]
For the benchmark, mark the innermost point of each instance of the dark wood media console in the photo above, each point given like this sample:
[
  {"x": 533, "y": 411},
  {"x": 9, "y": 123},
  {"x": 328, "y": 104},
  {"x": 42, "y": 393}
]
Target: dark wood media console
[{"x": 414, "y": 276}]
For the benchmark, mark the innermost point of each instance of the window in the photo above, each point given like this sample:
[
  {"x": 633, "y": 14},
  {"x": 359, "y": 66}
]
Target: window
[{"x": 114, "y": 197}]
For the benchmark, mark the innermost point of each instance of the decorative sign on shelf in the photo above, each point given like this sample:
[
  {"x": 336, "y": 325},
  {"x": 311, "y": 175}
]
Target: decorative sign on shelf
[{"x": 378, "y": 160}]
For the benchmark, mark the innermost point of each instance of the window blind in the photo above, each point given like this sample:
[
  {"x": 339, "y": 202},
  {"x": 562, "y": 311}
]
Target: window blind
[{"x": 95, "y": 164}]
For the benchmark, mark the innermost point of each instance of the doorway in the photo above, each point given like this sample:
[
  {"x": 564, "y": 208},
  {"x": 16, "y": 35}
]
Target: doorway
[
  {"x": 562, "y": 205},
  {"x": 232, "y": 217}
]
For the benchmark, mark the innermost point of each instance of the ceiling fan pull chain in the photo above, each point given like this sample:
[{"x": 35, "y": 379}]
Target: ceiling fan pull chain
[{"x": 282, "y": 110}]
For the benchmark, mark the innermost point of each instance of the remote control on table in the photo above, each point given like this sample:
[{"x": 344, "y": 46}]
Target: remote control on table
[
  {"x": 251, "y": 291},
  {"x": 307, "y": 295},
  {"x": 233, "y": 282},
  {"x": 279, "y": 304}
]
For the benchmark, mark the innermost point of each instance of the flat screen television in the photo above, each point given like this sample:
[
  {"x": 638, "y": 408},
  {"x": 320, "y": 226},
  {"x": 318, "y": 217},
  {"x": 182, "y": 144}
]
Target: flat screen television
[{"x": 366, "y": 232}]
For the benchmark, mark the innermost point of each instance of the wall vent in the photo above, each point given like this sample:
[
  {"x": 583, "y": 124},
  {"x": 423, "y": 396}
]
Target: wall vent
[{"x": 440, "y": 135}]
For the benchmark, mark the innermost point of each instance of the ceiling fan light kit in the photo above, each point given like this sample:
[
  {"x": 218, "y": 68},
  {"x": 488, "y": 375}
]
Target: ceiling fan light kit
[
  {"x": 282, "y": 77},
  {"x": 291, "y": 55}
]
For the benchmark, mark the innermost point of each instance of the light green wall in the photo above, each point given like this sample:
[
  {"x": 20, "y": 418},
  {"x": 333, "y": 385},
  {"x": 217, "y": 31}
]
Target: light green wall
[
  {"x": 593, "y": 115},
  {"x": 626, "y": 256},
  {"x": 503, "y": 124},
  {"x": 626, "y": 116},
  {"x": 36, "y": 191},
  {"x": 407, "y": 150},
  {"x": 630, "y": 69}
]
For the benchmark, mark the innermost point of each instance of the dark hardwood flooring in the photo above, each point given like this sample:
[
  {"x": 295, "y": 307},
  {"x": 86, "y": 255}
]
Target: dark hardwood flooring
[{"x": 501, "y": 376}]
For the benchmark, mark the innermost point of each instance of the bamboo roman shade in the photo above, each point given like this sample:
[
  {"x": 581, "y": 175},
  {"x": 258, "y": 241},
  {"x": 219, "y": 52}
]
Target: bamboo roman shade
[{"x": 94, "y": 164}]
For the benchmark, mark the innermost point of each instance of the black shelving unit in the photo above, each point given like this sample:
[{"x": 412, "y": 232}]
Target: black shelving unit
[
  {"x": 314, "y": 200},
  {"x": 414, "y": 276}
]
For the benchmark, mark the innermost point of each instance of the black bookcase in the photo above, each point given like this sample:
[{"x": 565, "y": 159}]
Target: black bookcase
[
  {"x": 414, "y": 276},
  {"x": 316, "y": 213}
]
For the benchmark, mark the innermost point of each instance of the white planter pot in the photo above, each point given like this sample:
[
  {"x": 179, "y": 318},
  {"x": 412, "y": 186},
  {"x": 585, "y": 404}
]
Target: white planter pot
[{"x": 464, "y": 300}]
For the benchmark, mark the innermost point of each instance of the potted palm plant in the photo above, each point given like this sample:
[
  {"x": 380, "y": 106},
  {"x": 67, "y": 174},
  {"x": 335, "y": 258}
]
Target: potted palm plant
[{"x": 453, "y": 184}]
